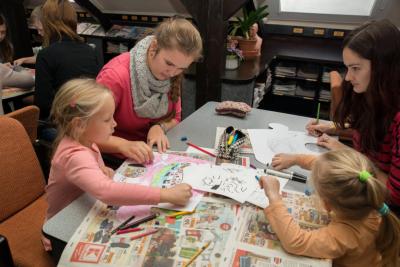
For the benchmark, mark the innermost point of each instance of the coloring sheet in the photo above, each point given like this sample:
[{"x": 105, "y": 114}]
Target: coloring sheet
[
  {"x": 164, "y": 172},
  {"x": 268, "y": 142},
  {"x": 236, "y": 183},
  {"x": 258, "y": 197}
]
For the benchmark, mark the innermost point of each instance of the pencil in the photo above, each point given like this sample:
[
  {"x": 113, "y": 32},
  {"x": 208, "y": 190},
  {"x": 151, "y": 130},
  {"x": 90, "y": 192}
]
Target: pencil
[
  {"x": 318, "y": 109},
  {"x": 197, "y": 254},
  {"x": 200, "y": 149},
  {"x": 180, "y": 213},
  {"x": 150, "y": 232}
]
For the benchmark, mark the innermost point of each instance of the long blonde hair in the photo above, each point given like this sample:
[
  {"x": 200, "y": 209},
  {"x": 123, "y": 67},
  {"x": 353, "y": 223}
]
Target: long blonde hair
[
  {"x": 181, "y": 35},
  {"x": 59, "y": 18},
  {"x": 77, "y": 98},
  {"x": 335, "y": 176}
]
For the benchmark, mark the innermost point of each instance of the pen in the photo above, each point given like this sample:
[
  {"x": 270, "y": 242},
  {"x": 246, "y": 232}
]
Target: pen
[
  {"x": 200, "y": 149},
  {"x": 140, "y": 221},
  {"x": 197, "y": 254},
  {"x": 318, "y": 109},
  {"x": 257, "y": 178},
  {"x": 122, "y": 225},
  {"x": 150, "y": 232},
  {"x": 291, "y": 175},
  {"x": 129, "y": 230}
]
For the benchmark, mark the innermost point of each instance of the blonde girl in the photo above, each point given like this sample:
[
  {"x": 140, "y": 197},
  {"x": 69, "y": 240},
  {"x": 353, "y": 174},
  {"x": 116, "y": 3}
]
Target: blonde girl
[
  {"x": 83, "y": 112},
  {"x": 363, "y": 231},
  {"x": 146, "y": 83}
]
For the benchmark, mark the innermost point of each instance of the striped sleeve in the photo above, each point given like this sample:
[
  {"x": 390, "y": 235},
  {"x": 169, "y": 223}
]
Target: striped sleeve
[{"x": 393, "y": 182}]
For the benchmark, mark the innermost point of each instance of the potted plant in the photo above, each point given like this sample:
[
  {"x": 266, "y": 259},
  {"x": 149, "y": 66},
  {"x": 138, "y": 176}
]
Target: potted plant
[
  {"x": 245, "y": 31},
  {"x": 233, "y": 55}
]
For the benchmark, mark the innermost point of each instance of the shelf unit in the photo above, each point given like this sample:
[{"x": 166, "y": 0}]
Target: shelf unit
[{"x": 298, "y": 85}]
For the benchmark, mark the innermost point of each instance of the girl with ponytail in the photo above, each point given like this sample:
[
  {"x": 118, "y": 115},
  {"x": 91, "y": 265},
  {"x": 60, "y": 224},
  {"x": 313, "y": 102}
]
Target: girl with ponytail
[{"x": 362, "y": 232}]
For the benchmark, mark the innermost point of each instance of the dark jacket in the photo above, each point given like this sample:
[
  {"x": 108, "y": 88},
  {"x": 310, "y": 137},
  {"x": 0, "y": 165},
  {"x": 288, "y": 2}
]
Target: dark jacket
[{"x": 58, "y": 63}]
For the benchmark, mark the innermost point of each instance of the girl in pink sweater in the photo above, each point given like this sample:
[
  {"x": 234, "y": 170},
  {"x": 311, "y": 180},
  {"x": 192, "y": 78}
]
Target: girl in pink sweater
[
  {"x": 83, "y": 112},
  {"x": 363, "y": 231}
]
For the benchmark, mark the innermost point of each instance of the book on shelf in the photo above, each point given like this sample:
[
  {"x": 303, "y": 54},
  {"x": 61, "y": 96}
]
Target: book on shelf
[{"x": 91, "y": 29}]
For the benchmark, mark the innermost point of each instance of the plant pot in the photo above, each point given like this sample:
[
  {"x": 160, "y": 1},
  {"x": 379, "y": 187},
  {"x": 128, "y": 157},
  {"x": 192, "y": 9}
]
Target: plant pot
[
  {"x": 232, "y": 62},
  {"x": 249, "y": 48}
]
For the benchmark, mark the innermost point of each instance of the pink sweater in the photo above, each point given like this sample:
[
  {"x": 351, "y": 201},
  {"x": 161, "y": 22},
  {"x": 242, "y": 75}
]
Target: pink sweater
[
  {"x": 116, "y": 76},
  {"x": 75, "y": 169}
]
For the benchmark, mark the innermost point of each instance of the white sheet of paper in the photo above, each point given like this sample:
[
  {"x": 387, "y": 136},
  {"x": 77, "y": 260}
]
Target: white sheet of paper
[
  {"x": 266, "y": 143},
  {"x": 235, "y": 183},
  {"x": 259, "y": 198}
]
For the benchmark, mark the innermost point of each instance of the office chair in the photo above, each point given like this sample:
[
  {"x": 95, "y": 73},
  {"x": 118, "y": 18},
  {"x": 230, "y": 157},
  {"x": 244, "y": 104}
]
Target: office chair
[
  {"x": 22, "y": 200},
  {"x": 28, "y": 117}
]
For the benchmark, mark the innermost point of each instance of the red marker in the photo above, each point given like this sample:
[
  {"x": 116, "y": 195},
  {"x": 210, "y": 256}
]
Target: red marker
[
  {"x": 150, "y": 232},
  {"x": 129, "y": 230}
]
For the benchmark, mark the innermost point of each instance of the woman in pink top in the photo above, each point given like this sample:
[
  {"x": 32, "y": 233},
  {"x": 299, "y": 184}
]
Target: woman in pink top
[
  {"x": 362, "y": 232},
  {"x": 83, "y": 112},
  {"x": 146, "y": 84}
]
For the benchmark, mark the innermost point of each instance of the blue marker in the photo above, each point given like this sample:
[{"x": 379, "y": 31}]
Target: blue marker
[
  {"x": 257, "y": 178},
  {"x": 235, "y": 138}
]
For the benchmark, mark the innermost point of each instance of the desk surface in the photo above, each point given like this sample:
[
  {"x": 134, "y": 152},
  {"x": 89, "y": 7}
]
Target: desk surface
[
  {"x": 199, "y": 128},
  {"x": 9, "y": 94}
]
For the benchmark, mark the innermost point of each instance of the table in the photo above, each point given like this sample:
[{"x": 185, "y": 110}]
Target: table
[
  {"x": 9, "y": 95},
  {"x": 199, "y": 128}
]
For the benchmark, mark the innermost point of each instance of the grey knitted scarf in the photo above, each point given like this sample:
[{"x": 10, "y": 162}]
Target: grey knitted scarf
[{"x": 149, "y": 95}]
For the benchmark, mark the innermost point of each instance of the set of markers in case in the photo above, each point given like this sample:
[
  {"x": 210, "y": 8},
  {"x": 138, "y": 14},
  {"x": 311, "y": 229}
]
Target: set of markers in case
[{"x": 229, "y": 144}]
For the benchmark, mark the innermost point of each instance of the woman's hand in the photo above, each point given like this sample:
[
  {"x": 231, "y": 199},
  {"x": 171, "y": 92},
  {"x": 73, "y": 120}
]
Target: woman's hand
[
  {"x": 318, "y": 129},
  {"x": 139, "y": 151},
  {"x": 329, "y": 142},
  {"x": 156, "y": 136},
  {"x": 178, "y": 195},
  {"x": 271, "y": 188},
  {"x": 283, "y": 161}
]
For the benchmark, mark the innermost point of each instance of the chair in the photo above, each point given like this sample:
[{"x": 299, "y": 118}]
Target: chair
[
  {"x": 28, "y": 117},
  {"x": 22, "y": 199}
]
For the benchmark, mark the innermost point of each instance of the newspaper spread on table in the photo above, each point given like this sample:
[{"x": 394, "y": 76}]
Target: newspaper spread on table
[{"x": 239, "y": 235}]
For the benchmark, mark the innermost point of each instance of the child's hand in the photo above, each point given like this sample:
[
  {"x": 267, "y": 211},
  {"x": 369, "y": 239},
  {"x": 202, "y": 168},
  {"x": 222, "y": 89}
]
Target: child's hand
[
  {"x": 315, "y": 129},
  {"x": 46, "y": 243},
  {"x": 271, "y": 188},
  {"x": 179, "y": 194},
  {"x": 107, "y": 171},
  {"x": 283, "y": 161},
  {"x": 329, "y": 142}
]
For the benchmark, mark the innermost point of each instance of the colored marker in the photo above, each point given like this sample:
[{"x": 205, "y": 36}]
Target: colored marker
[
  {"x": 257, "y": 178},
  {"x": 150, "y": 232},
  {"x": 129, "y": 230},
  {"x": 140, "y": 221},
  {"x": 122, "y": 225},
  {"x": 197, "y": 254},
  {"x": 318, "y": 109},
  {"x": 230, "y": 140}
]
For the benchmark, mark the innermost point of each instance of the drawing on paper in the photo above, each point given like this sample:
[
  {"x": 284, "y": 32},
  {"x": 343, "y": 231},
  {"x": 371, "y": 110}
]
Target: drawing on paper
[{"x": 232, "y": 184}]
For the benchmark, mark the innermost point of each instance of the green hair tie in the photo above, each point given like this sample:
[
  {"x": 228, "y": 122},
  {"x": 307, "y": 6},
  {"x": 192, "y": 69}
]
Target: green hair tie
[
  {"x": 384, "y": 210},
  {"x": 363, "y": 176}
]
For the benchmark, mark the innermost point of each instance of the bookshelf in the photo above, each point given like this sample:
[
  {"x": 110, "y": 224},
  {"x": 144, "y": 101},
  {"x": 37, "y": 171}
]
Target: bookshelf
[{"x": 299, "y": 84}]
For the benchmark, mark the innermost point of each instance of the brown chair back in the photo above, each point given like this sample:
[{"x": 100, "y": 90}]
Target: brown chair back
[
  {"x": 21, "y": 178},
  {"x": 29, "y": 117}
]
